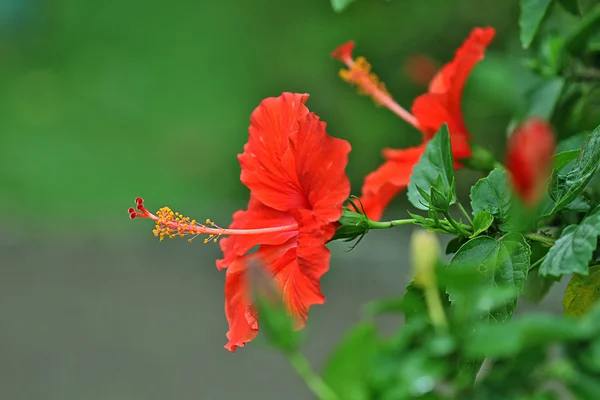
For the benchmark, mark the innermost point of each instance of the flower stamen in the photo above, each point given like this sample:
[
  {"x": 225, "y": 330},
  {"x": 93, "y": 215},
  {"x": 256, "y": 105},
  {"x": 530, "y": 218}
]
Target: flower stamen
[
  {"x": 171, "y": 224},
  {"x": 368, "y": 83}
]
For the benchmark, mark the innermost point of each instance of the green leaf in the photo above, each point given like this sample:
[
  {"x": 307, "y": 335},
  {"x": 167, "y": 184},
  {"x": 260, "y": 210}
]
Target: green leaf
[
  {"x": 492, "y": 194},
  {"x": 565, "y": 188},
  {"x": 436, "y": 162},
  {"x": 454, "y": 244},
  {"x": 482, "y": 221},
  {"x": 507, "y": 340},
  {"x": 340, "y": 5},
  {"x": 532, "y": 14},
  {"x": 589, "y": 25},
  {"x": 501, "y": 263},
  {"x": 348, "y": 367},
  {"x": 561, "y": 160},
  {"x": 573, "y": 250},
  {"x": 571, "y": 6},
  {"x": 582, "y": 292}
]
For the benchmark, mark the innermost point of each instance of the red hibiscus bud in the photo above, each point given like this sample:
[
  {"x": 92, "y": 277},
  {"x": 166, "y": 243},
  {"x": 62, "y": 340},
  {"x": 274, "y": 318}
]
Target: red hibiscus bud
[{"x": 529, "y": 159}]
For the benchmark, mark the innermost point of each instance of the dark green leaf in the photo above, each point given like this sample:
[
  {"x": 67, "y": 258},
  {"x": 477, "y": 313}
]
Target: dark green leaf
[
  {"x": 565, "y": 188},
  {"x": 348, "y": 367},
  {"x": 340, "y": 5},
  {"x": 492, "y": 194},
  {"x": 482, "y": 221},
  {"x": 435, "y": 162},
  {"x": 562, "y": 159},
  {"x": 573, "y": 250},
  {"x": 532, "y": 14},
  {"x": 588, "y": 26},
  {"x": 454, "y": 244},
  {"x": 582, "y": 292},
  {"x": 571, "y": 6},
  {"x": 501, "y": 263},
  {"x": 580, "y": 204}
]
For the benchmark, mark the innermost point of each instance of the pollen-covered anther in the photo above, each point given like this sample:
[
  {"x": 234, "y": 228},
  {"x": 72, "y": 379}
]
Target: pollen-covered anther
[{"x": 367, "y": 83}]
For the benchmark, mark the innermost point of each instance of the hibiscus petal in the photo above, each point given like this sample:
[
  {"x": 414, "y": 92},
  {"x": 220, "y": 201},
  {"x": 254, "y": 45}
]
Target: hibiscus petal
[
  {"x": 299, "y": 272},
  {"x": 268, "y": 164},
  {"x": 256, "y": 216},
  {"x": 321, "y": 162},
  {"x": 240, "y": 311},
  {"x": 432, "y": 111}
]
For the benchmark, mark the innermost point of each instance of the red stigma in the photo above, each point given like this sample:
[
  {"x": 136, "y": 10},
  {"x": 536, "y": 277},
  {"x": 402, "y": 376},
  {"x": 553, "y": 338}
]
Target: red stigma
[{"x": 344, "y": 52}]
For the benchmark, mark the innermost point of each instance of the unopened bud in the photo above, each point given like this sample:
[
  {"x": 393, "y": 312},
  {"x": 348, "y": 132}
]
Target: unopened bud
[
  {"x": 425, "y": 256},
  {"x": 351, "y": 225},
  {"x": 529, "y": 160}
]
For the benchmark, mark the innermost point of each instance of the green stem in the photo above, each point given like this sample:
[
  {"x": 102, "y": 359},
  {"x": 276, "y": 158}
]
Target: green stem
[
  {"x": 465, "y": 213},
  {"x": 540, "y": 238},
  {"x": 455, "y": 225},
  {"x": 391, "y": 224},
  {"x": 536, "y": 264},
  {"x": 314, "y": 382}
]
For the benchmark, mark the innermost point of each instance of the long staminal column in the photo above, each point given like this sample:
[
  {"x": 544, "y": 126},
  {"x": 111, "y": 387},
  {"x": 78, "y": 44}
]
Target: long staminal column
[{"x": 173, "y": 224}]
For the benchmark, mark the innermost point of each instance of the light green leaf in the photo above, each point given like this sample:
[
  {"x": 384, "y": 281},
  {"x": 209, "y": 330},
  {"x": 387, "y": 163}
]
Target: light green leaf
[
  {"x": 501, "y": 263},
  {"x": 348, "y": 367},
  {"x": 532, "y": 14},
  {"x": 340, "y": 5},
  {"x": 492, "y": 194},
  {"x": 565, "y": 188},
  {"x": 482, "y": 221},
  {"x": 561, "y": 160},
  {"x": 573, "y": 250},
  {"x": 436, "y": 162},
  {"x": 582, "y": 292}
]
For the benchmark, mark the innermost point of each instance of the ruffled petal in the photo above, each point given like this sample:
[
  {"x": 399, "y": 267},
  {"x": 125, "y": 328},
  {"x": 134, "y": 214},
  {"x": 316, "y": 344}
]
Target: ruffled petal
[
  {"x": 383, "y": 184},
  {"x": 240, "y": 311},
  {"x": 431, "y": 110},
  {"x": 268, "y": 164},
  {"x": 320, "y": 163},
  {"x": 256, "y": 216},
  {"x": 298, "y": 273}
]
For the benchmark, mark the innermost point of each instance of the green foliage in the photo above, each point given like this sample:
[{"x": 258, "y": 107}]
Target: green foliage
[
  {"x": 571, "y": 6},
  {"x": 532, "y": 14},
  {"x": 582, "y": 293},
  {"x": 565, "y": 188},
  {"x": 501, "y": 263},
  {"x": 347, "y": 369},
  {"x": 482, "y": 221},
  {"x": 492, "y": 194},
  {"x": 435, "y": 169},
  {"x": 575, "y": 247}
]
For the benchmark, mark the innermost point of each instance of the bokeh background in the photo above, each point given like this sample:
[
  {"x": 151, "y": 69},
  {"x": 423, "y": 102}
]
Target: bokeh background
[{"x": 101, "y": 102}]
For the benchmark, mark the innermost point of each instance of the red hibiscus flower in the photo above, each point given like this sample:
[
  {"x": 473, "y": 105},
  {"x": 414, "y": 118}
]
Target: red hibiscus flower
[
  {"x": 529, "y": 159},
  {"x": 429, "y": 111},
  {"x": 295, "y": 173}
]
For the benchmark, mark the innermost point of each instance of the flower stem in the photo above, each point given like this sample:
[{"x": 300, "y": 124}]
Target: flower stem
[
  {"x": 314, "y": 382},
  {"x": 540, "y": 238},
  {"x": 459, "y": 227},
  {"x": 465, "y": 213},
  {"x": 391, "y": 224}
]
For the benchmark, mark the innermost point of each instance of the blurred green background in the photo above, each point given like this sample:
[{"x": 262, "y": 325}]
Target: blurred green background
[{"x": 101, "y": 102}]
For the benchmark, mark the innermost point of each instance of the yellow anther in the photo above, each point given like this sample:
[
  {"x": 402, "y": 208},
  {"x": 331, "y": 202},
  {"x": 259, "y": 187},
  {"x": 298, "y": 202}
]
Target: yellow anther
[{"x": 367, "y": 83}]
